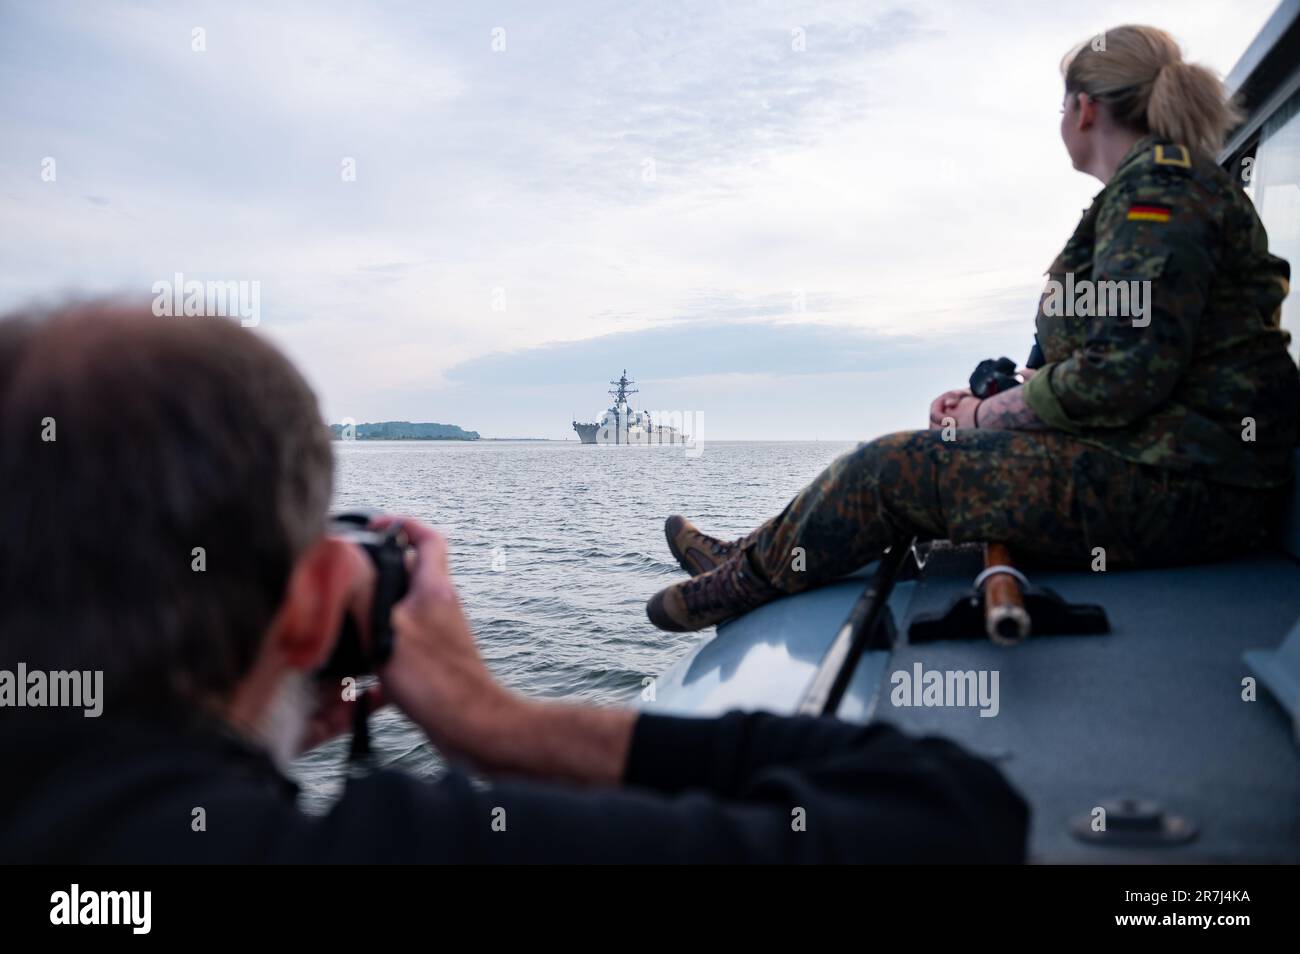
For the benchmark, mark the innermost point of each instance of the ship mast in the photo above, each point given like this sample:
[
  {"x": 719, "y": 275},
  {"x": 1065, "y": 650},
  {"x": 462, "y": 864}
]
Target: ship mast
[{"x": 620, "y": 395}]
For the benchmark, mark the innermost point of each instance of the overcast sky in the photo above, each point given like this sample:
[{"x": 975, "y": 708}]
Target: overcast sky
[{"x": 801, "y": 219}]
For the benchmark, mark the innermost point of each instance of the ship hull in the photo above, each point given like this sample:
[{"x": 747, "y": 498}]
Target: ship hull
[{"x": 636, "y": 436}]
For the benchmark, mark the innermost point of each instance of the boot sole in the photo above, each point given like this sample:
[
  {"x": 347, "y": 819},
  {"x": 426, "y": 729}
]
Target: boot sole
[
  {"x": 659, "y": 619},
  {"x": 677, "y": 554}
]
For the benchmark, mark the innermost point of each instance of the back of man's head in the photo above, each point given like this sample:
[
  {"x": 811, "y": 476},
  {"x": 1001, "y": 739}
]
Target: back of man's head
[{"x": 158, "y": 479}]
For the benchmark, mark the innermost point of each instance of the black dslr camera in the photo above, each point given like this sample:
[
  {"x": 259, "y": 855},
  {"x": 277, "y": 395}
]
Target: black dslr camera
[
  {"x": 387, "y": 550},
  {"x": 993, "y": 376}
]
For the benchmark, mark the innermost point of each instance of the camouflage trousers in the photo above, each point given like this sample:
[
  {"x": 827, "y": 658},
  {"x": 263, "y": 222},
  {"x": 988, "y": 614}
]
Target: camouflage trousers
[{"x": 1043, "y": 493}]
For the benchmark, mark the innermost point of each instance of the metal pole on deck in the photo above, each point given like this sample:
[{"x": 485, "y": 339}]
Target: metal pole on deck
[{"x": 826, "y": 689}]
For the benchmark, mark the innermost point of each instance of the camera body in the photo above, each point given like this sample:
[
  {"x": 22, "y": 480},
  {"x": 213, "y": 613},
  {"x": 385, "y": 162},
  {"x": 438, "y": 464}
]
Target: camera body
[
  {"x": 387, "y": 549},
  {"x": 993, "y": 376}
]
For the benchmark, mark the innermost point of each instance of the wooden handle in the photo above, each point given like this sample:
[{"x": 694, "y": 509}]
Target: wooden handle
[{"x": 1005, "y": 619}]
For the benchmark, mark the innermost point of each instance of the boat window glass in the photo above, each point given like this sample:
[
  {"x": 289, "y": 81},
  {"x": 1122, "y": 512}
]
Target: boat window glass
[
  {"x": 1247, "y": 165},
  {"x": 1276, "y": 182}
]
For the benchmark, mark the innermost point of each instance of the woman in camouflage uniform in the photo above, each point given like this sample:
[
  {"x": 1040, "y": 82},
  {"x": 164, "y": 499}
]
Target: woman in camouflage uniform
[{"x": 1162, "y": 433}]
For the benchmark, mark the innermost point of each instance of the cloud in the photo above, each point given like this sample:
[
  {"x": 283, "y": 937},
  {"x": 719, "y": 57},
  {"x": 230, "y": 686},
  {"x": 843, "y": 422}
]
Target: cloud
[
  {"x": 751, "y": 380},
  {"x": 650, "y": 169},
  {"x": 692, "y": 350}
]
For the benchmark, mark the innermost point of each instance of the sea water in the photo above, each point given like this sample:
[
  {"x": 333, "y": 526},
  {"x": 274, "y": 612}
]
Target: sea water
[{"x": 555, "y": 547}]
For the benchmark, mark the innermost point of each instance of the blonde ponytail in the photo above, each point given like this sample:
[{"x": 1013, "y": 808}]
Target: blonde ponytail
[{"x": 1140, "y": 74}]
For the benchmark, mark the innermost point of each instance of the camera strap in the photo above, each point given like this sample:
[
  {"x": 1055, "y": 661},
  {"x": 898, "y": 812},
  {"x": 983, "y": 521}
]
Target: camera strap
[{"x": 360, "y": 749}]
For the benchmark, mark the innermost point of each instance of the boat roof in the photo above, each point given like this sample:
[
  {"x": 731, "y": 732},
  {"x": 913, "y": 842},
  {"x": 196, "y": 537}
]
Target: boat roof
[
  {"x": 1265, "y": 77},
  {"x": 1153, "y": 710}
]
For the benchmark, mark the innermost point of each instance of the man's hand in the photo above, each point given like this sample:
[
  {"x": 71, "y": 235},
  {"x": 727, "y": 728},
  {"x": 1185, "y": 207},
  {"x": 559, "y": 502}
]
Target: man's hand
[
  {"x": 333, "y": 714},
  {"x": 435, "y": 674},
  {"x": 945, "y": 404},
  {"x": 437, "y": 677}
]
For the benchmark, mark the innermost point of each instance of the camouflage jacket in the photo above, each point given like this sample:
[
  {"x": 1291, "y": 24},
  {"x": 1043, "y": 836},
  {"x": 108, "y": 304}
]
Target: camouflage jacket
[{"x": 1160, "y": 326}]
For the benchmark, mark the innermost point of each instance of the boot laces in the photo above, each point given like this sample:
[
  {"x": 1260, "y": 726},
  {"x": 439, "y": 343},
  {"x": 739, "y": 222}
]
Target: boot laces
[{"x": 727, "y": 587}]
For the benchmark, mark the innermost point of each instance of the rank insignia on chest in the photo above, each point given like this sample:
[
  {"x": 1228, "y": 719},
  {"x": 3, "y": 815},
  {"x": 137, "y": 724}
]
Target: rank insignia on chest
[{"x": 1148, "y": 212}]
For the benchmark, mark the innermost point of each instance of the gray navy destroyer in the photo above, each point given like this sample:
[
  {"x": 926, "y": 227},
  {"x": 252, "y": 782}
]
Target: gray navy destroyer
[{"x": 621, "y": 424}]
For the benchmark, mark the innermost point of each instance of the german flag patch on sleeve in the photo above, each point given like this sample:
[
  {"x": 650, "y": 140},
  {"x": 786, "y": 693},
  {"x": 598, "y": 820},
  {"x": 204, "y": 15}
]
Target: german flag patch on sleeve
[{"x": 1148, "y": 212}]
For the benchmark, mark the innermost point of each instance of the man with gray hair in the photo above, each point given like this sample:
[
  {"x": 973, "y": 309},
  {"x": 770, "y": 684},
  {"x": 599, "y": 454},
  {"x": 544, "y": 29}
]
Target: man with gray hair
[{"x": 130, "y": 445}]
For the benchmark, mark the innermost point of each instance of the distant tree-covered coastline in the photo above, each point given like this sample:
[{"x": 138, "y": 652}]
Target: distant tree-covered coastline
[{"x": 403, "y": 431}]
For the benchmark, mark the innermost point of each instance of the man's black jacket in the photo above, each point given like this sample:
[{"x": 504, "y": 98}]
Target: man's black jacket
[{"x": 740, "y": 788}]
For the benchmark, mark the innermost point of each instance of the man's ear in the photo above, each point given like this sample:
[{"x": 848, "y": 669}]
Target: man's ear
[{"x": 321, "y": 586}]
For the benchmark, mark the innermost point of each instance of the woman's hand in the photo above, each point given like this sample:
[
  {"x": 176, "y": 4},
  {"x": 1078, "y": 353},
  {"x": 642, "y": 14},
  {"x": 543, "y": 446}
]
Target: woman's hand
[
  {"x": 945, "y": 405},
  {"x": 963, "y": 414}
]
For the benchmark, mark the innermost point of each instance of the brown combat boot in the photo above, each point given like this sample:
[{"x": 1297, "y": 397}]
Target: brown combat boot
[
  {"x": 729, "y": 589},
  {"x": 695, "y": 551}
]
